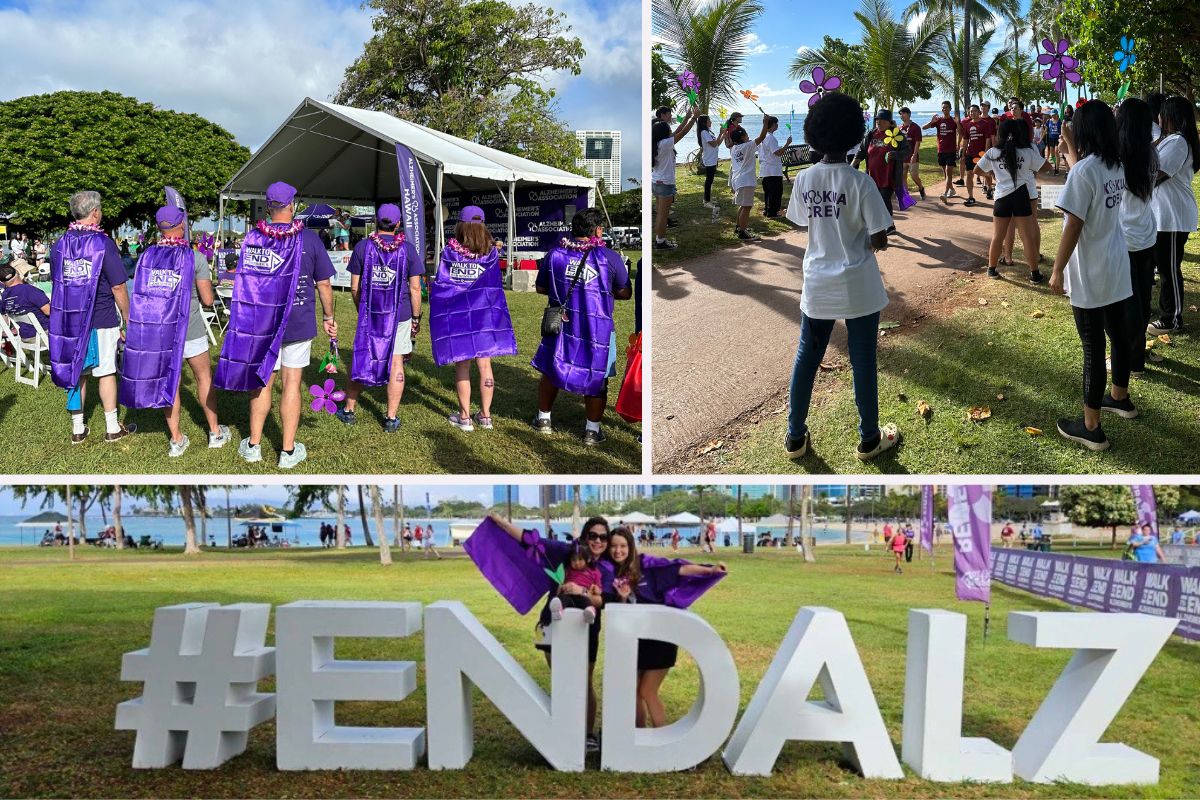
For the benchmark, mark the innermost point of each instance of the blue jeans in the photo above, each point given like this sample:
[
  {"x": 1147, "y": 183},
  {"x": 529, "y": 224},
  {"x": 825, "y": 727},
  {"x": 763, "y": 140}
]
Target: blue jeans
[{"x": 862, "y": 341}]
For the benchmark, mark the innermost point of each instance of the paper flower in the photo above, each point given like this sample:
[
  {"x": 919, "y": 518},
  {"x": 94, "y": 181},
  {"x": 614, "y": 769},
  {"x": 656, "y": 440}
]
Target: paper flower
[
  {"x": 893, "y": 137},
  {"x": 819, "y": 85},
  {"x": 326, "y": 398},
  {"x": 749, "y": 95},
  {"x": 1062, "y": 67},
  {"x": 1125, "y": 57},
  {"x": 690, "y": 85}
]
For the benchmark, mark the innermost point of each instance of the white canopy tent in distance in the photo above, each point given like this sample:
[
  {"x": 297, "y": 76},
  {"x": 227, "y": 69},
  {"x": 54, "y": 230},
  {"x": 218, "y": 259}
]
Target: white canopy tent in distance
[{"x": 347, "y": 156}]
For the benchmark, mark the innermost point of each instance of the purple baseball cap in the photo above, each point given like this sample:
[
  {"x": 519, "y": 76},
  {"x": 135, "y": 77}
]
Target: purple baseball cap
[
  {"x": 471, "y": 214},
  {"x": 280, "y": 194},
  {"x": 388, "y": 214},
  {"x": 168, "y": 217}
]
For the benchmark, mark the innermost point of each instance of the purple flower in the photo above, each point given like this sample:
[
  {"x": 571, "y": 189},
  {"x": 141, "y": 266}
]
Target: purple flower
[
  {"x": 1063, "y": 67},
  {"x": 688, "y": 80},
  {"x": 326, "y": 398},
  {"x": 819, "y": 85}
]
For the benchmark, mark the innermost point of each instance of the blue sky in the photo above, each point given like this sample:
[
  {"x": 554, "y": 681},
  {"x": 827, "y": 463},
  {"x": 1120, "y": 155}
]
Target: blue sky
[{"x": 246, "y": 65}]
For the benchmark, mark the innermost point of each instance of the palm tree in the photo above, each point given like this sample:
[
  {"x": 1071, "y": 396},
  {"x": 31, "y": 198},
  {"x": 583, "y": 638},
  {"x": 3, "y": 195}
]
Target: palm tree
[
  {"x": 739, "y": 513},
  {"x": 340, "y": 533},
  {"x": 189, "y": 520},
  {"x": 709, "y": 38},
  {"x": 576, "y": 516},
  {"x": 545, "y": 510},
  {"x": 806, "y": 523},
  {"x": 362, "y": 512},
  {"x": 948, "y": 59},
  {"x": 385, "y": 550},
  {"x": 789, "y": 541},
  {"x": 398, "y": 515},
  {"x": 70, "y": 527},
  {"x": 116, "y": 512},
  {"x": 973, "y": 15}
]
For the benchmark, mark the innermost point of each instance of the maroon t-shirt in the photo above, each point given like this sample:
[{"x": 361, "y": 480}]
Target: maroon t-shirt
[
  {"x": 947, "y": 133},
  {"x": 975, "y": 131},
  {"x": 878, "y": 167},
  {"x": 1028, "y": 123},
  {"x": 990, "y": 126},
  {"x": 912, "y": 133}
]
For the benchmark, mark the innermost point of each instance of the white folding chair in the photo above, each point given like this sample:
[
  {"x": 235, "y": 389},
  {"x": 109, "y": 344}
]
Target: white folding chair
[
  {"x": 10, "y": 337},
  {"x": 211, "y": 320},
  {"x": 32, "y": 350}
]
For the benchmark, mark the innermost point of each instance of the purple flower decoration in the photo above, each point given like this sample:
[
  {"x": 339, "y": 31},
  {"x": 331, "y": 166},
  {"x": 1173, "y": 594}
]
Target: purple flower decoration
[
  {"x": 690, "y": 85},
  {"x": 819, "y": 85},
  {"x": 326, "y": 398},
  {"x": 1063, "y": 67}
]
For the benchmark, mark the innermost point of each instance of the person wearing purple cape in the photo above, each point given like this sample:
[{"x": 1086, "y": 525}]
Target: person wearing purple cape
[
  {"x": 468, "y": 315},
  {"x": 166, "y": 328},
  {"x": 89, "y": 289},
  {"x": 583, "y": 277},
  {"x": 642, "y": 578},
  {"x": 282, "y": 270},
  {"x": 385, "y": 282}
]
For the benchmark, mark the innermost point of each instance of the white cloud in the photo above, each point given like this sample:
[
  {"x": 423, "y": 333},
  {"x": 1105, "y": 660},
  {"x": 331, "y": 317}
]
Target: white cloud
[{"x": 756, "y": 46}]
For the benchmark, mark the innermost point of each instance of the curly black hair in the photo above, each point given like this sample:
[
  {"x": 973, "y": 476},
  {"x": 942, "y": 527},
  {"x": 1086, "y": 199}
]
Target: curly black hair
[{"x": 834, "y": 124}]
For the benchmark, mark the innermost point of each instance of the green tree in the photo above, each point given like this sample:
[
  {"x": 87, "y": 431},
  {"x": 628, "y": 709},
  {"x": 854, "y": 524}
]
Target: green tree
[
  {"x": 708, "y": 37},
  {"x": 57, "y": 144},
  {"x": 661, "y": 76},
  {"x": 1098, "y": 506},
  {"x": 472, "y": 69}
]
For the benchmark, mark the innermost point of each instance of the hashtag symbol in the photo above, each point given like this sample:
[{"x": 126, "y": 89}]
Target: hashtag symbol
[{"x": 199, "y": 677}]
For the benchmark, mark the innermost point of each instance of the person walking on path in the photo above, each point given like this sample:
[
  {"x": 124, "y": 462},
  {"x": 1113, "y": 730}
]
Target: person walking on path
[
  {"x": 912, "y": 162},
  {"x": 948, "y": 133},
  {"x": 884, "y": 151},
  {"x": 1014, "y": 164}
]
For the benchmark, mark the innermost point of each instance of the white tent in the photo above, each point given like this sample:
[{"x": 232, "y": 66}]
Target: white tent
[
  {"x": 777, "y": 521},
  {"x": 730, "y": 525},
  {"x": 635, "y": 518},
  {"x": 341, "y": 154},
  {"x": 683, "y": 518}
]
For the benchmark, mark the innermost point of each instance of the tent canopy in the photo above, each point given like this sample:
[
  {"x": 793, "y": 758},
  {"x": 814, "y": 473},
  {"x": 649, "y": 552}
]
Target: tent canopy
[
  {"x": 1190, "y": 516},
  {"x": 730, "y": 525},
  {"x": 43, "y": 519},
  {"x": 636, "y": 518},
  {"x": 683, "y": 518},
  {"x": 776, "y": 520}
]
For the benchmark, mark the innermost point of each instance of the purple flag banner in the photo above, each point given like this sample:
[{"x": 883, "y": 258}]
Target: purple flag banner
[
  {"x": 412, "y": 199},
  {"x": 1105, "y": 584},
  {"x": 1147, "y": 508},
  {"x": 174, "y": 198},
  {"x": 970, "y": 511},
  {"x": 927, "y": 518}
]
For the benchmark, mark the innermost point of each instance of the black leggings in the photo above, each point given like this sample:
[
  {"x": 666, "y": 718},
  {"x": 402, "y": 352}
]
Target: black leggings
[
  {"x": 709, "y": 174},
  {"x": 886, "y": 192},
  {"x": 1092, "y": 324},
  {"x": 772, "y": 194},
  {"x": 1168, "y": 258},
  {"x": 1141, "y": 272}
]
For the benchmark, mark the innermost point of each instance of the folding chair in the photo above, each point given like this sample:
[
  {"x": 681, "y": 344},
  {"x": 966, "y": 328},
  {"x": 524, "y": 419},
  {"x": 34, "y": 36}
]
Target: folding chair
[
  {"x": 9, "y": 336},
  {"x": 33, "y": 352},
  {"x": 211, "y": 320}
]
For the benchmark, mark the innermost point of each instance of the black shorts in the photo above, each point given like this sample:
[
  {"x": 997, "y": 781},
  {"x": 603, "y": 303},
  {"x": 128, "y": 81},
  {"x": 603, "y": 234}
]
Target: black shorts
[
  {"x": 654, "y": 654},
  {"x": 947, "y": 159},
  {"x": 1052, "y": 141},
  {"x": 593, "y": 633},
  {"x": 1013, "y": 205}
]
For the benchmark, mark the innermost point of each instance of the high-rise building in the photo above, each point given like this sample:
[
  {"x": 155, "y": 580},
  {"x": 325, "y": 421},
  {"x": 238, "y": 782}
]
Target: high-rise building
[
  {"x": 499, "y": 495},
  {"x": 601, "y": 157},
  {"x": 1025, "y": 491}
]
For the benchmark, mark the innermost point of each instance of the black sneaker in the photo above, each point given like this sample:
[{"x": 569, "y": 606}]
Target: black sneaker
[
  {"x": 796, "y": 448},
  {"x": 1122, "y": 408},
  {"x": 665, "y": 244},
  {"x": 672, "y": 222},
  {"x": 744, "y": 235},
  {"x": 970, "y": 202},
  {"x": 989, "y": 193},
  {"x": 959, "y": 182},
  {"x": 993, "y": 272},
  {"x": 345, "y": 415},
  {"x": 1162, "y": 326},
  {"x": 591, "y": 744},
  {"x": 1036, "y": 277},
  {"x": 891, "y": 231},
  {"x": 922, "y": 191},
  {"x": 542, "y": 426},
  {"x": 1076, "y": 431},
  {"x": 593, "y": 438},
  {"x": 125, "y": 429}
]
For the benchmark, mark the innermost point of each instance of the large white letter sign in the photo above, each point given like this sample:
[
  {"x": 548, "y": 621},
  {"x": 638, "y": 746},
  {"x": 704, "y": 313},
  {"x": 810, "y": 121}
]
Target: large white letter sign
[
  {"x": 817, "y": 647},
  {"x": 694, "y": 737},
  {"x": 1113, "y": 651},
  {"x": 460, "y": 652},
  {"x": 310, "y": 680},
  {"x": 933, "y": 697},
  {"x": 199, "y": 673}
]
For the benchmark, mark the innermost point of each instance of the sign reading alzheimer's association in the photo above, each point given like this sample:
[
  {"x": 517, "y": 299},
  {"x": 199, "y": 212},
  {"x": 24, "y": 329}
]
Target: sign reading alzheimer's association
[
  {"x": 1104, "y": 584},
  {"x": 543, "y": 213}
]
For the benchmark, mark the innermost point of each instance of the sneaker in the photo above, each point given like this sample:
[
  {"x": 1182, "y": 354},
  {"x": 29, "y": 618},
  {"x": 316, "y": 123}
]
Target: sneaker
[
  {"x": 1076, "y": 431},
  {"x": 591, "y": 744},
  {"x": 589, "y": 615},
  {"x": 993, "y": 272},
  {"x": 796, "y": 448},
  {"x": 461, "y": 422},
  {"x": 707, "y": 204},
  {"x": 744, "y": 235},
  {"x": 221, "y": 438},
  {"x": 922, "y": 191},
  {"x": 1122, "y": 408},
  {"x": 665, "y": 244},
  {"x": 897, "y": 569},
  {"x": 1162, "y": 326},
  {"x": 672, "y": 222},
  {"x": 78, "y": 438},
  {"x": 248, "y": 451},
  {"x": 177, "y": 448},
  {"x": 952, "y": 192},
  {"x": 1036, "y": 277},
  {"x": 123, "y": 431},
  {"x": 298, "y": 454},
  {"x": 556, "y": 609},
  {"x": 542, "y": 426},
  {"x": 346, "y": 416},
  {"x": 959, "y": 182},
  {"x": 970, "y": 202},
  {"x": 481, "y": 421},
  {"x": 1150, "y": 356},
  {"x": 889, "y": 435},
  {"x": 989, "y": 193},
  {"x": 391, "y": 424},
  {"x": 891, "y": 231},
  {"x": 593, "y": 438}
]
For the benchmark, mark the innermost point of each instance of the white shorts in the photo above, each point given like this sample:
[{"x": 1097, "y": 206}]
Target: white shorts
[
  {"x": 295, "y": 355},
  {"x": 107, "y": 340},
  {"x": 195, "y": 347},
  {"x": 744, "y": 196},
  {"x": 403, "y": 344}
]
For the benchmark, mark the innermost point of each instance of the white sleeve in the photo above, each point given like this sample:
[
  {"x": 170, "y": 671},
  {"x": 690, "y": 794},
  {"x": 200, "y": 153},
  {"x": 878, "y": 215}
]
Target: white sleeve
[
  {"x": 1076, "y": 195},
  {"x": 1172, "y": 154},
  {"x": 797, "y": 209},
  {"x": 1035, "y": 160},
  {"x": 874, "y": 211},
  {"x": 985, "y": 162}
]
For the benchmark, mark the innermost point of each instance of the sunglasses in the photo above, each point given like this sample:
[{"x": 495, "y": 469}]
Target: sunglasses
[{"x": 596, "y": 536}]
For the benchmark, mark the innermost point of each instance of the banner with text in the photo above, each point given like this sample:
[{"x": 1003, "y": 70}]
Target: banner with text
[
  {"x": 969, "y": 509},
  {"x": 543, "y": 213}
]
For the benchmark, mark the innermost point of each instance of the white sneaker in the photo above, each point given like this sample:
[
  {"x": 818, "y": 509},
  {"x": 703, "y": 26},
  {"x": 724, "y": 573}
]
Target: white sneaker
[
  {"x": 589, "y": 615},
  {"x": 462, "y": 423},
  {"x": 299, "y": 453},
  {"x": 249, "y": 452},
  {"x": 177, "y": 448},
  {"x": 556, "y": 609},
  {"x": 221, "y": 438}
]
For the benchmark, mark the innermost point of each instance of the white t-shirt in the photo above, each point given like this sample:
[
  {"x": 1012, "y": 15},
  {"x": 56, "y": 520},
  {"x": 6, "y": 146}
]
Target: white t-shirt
[
  {"x": 1173, "y": 202},
  {"x": 708, "y": 154},
  {"x": 771, "y": 165},
  {"x": 1097, "y": 273},
  {"x": 841, "y": 208},
  {"x": 1137, "y": 222},
  {"x": 741, "y": 171},
  {"x": 664, "y": 163},
  {"x": 1155, "y": 132},
  {"x": 1029, "y": 161}
]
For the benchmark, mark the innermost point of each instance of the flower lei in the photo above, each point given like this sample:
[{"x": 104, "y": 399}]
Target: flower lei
[
  {"x": 388, "y": 247},
  {"x": 460, "y": 250},
  {"x": 174, "y": 241},
  {"x": 84, "y": 227},
  {"x": 582, "y": 247},
  {"x": 274, "y": 233}
]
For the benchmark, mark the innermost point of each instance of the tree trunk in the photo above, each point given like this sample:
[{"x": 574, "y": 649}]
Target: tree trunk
[
  {"x": 739, "y": 515},
  {"x": 228, "y": 522},
  {"x": 806, "y": 523},
  {"x": 546, "y": 511},
  {"x": 966, "y": 55},
  {"x": 70, "y": 526},
  {"x": 362, "y": 512},
  {"x": 202, "y": 505},
  {"x": 399, "y": 493},
  {"x": 385, "y": 550},
  {"x": 576, "y": 517},
  {"x": 83, "y": 507},
  {"x": 189, "y": 520},
  {"x": 397, "y": 519},
  {"x": 116, "y": 509},
  {"x": 790, "y": 540},
  {"x": 340, "y": 533},
  {"x": 848, "y": 515},
  {"x": 508, "y": 503}
]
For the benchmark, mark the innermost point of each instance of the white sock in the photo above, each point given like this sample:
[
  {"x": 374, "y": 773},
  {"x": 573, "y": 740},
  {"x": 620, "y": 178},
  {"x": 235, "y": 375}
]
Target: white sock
[
  {"x": 593, "y": 426},
  {"x": 77, "y": 422},
  {"x": 110, "y": 422},
  {"x": 543, "y": 415},
  {"x": 660, "y": 238}
]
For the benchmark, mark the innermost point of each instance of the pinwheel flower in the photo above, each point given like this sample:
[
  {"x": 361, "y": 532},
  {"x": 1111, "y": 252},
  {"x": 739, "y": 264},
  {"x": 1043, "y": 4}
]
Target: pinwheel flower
[
  {"x": 819, "y": 85},
  {"x": 326, "y": 398},
  {"x": 1062, "y": 67},
  {"x": 1125, "y": 57},
  {"x": 893, "y": 137},
  {"x": 749, "y": 95},
  {"x": 690, "y": 84}
]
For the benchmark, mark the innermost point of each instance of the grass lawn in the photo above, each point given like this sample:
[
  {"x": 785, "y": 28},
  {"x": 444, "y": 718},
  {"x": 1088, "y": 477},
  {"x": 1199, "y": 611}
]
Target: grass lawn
[
  {"x": 64, "y": 627},
  {"x": 36, "y": 427},
  {"x": 970, "y": 355}
]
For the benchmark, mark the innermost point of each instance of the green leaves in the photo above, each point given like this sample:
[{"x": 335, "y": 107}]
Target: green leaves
[{"x": 558, "y": 574}]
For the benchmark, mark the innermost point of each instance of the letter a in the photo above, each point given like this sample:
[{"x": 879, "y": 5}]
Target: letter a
[{"x": 817, "y": 647}]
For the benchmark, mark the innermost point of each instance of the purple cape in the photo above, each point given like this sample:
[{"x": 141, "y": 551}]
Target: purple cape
[
  {"x": 577, "y": 359},
  {"x": 158, "y": 319},
  {"x": 384, "y": 277},
  {"x": 75, "y": 272},
  {"x": 264, "y": 288},
  {"x": 468, "y": 315},
  {"x": 517, "y": 570},
  {"x": 677, "y": 591}
]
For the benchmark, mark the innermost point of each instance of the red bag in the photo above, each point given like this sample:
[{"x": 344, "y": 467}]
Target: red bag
[{"x": 629, "y": 400}]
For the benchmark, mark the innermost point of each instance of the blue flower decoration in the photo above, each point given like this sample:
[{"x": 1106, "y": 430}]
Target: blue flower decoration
[{"x": 1125, "y": 57}]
